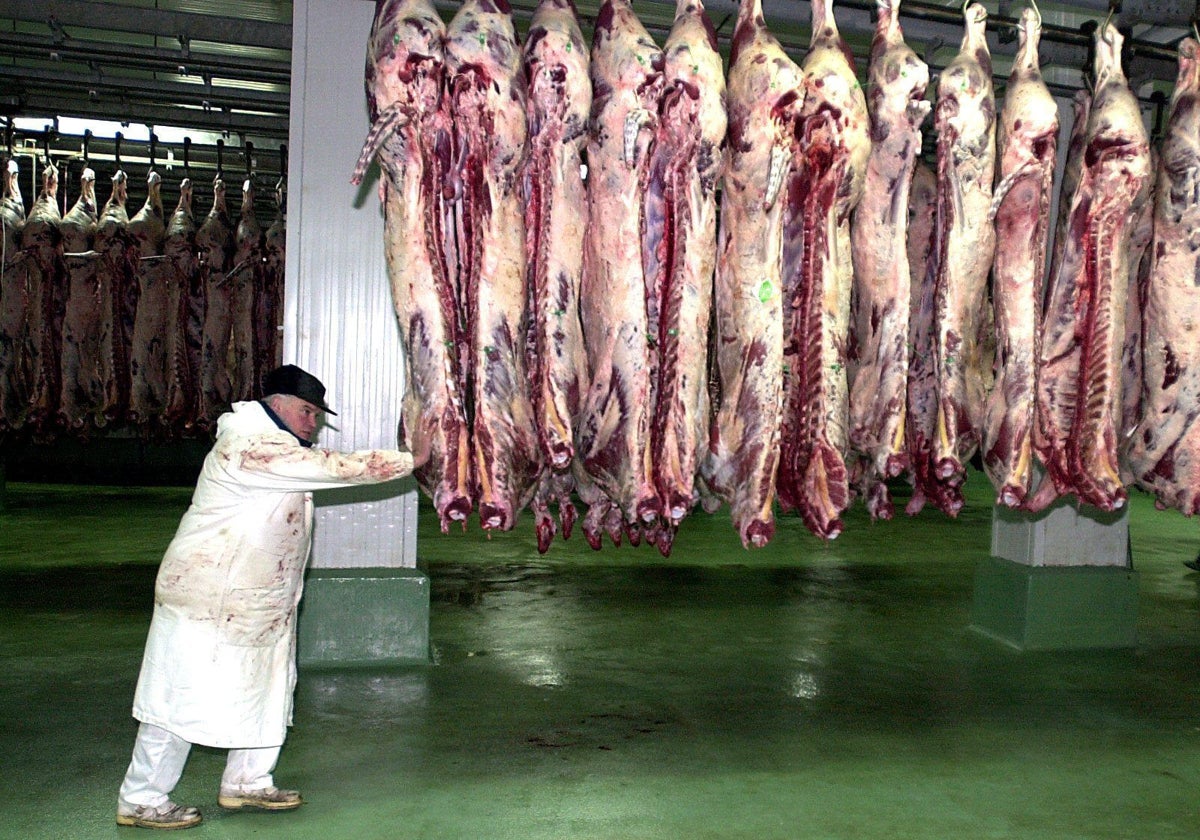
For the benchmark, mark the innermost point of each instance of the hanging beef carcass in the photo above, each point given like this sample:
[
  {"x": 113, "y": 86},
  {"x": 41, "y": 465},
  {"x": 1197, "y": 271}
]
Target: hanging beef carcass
[
  {"x": 1140, "y": 260},
  {"x": 84, "y": 314},
  {"x": 1079, "y": 392},
  {"x": 560, "y": 98},
  {"x": 487, "y": 94},
  {"x": 214, "y": 245},
  {"x": 1028, "y": 138},
  {"x": 13, "y": 301},
  {"x": 410, "y": 135},
  {"x": 613, "y": 439},
  {"x": 45, "y": 285},
  {"x": 832, "y": 146},
  {"x": 882, "y": 283},
  {"x": 1164, "y": 451},
  {"x": 117, "y": 285},
  {"x": 184, "y": 328},
  {"x": 268, "y": 301},
  {"x": 765, "y": 94},
  {"x": 148, "y": 359},
  {"x": 921, "y": 419},
  {"x": 964, "y": 119},
  {"x": 115, "y": 279},
  {"x": 679, "y": 256},
  {"x": 246, "y": 278}
]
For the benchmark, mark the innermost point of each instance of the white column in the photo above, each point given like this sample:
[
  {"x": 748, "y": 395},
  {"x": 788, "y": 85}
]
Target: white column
[{"x": 338, "y": 320}]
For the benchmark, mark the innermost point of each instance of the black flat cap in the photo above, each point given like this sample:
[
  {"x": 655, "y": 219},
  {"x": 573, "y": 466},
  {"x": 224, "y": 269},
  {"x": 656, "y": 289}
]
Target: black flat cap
[{"x": 296, "y": 382}]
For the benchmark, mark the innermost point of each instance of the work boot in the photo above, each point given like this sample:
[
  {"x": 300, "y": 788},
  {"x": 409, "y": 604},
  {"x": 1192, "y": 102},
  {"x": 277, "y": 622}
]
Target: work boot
[
  {"x": 264, "y": 799},
  {"x": 167, "y": 815}
]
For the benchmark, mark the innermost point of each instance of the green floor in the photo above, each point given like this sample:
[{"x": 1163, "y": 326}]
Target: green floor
[{"x": 801, "y": 691}]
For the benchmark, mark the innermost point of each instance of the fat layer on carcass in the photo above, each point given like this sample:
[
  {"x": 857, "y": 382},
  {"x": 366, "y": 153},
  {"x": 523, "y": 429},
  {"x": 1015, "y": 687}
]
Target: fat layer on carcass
[
  {"x": 680, "y": 254},
  {"x": 487, "y": 94},
  {"x": 1164, "y": 450},
  {"x": 612, "y": 438},
  {"x": 831, "y": 146},
  {"x": 410, "y": 137},
  {"x": 882, "y": 280},
  {"x": 1079, "y": 392},
  {"x": 1028, "y": 135},
  {"x": 764, "y": 96},
  {"x": 555, "y": 59},
  {"x": 964, "y": 119}
]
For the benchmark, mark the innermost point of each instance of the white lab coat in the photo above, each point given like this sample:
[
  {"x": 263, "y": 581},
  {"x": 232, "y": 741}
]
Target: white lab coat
[{"x": 220, "y": 661}]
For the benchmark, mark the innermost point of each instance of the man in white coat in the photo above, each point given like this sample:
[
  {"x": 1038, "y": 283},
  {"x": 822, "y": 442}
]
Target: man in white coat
[{"x": 220, "y": 661}]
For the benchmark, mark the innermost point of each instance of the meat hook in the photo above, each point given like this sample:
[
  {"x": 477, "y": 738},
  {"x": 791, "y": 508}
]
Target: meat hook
[
  {"x": 1113, "y": 6},
  {"x": 187, "y": 153}
]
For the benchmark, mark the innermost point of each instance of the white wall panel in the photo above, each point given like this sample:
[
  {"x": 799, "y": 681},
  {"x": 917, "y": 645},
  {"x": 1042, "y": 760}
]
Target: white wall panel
[{"x": 339, "y": 323}]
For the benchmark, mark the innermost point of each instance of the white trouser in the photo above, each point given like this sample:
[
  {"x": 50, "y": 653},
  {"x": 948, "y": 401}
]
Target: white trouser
[{"x": 158, "y": 760}]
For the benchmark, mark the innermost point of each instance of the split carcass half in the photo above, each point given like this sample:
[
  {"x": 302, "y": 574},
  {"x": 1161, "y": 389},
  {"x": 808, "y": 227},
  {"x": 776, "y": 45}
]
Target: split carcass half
[
  {"x": 116, "y": 280},
  {"x": 83, "y": 316},
  {"x": 1140, "y": 261},
  {"x": 246, "y": 278},
  {"x": 882, "y": 282},
  {"x": 679, "y": 255},
  {"x": 148, "y": 359},
  {"x": 1164, "y": 451},
  {"x": 1079, "y": 391},
  {"x": 965, "y": 120},
  {"x": 920, "y": 421},
  {"x": 1028, "y": 137},
  {"x": 560, "y": 99},
  {"x": 832, "y": 145},
  {"x": 487, "y": 100},
  {"x": 268, "y": 300},
  {"x": 36, "y": 282},
  {"x": 214, "y": 246},
  {"x": 765, "y": 95},
  {"x": 184, "y": 327},
  {"x": 410, "y": 137},
  {"x": 12, "y": 297},
  {"x": 612, "y": 437}
]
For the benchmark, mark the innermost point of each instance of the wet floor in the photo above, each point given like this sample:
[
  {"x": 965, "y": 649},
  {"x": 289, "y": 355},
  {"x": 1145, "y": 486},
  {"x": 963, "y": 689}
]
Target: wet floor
[{"x": 806, "y": 690}]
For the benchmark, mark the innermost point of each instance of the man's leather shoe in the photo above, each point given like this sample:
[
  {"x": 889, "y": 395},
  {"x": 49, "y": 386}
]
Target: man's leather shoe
[
  {"x": 264, "y": 799},
  {"x": 168, "y": 815}
]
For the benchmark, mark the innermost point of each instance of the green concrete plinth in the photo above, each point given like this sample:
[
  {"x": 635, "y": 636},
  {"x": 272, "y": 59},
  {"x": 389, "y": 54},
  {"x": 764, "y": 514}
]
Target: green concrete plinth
[
  {"x": 364, "y": 617},
  {"x": 1055, "y": 607}
]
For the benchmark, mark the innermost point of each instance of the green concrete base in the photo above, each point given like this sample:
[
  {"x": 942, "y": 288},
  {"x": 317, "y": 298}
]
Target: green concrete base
[
  {"x": 364, "y": 617},
  {"x": 1055, "y": 607}
]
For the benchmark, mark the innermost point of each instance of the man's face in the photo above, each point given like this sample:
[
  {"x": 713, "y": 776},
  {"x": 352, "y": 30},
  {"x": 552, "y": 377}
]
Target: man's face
[{"x": 301, "y": 416}]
